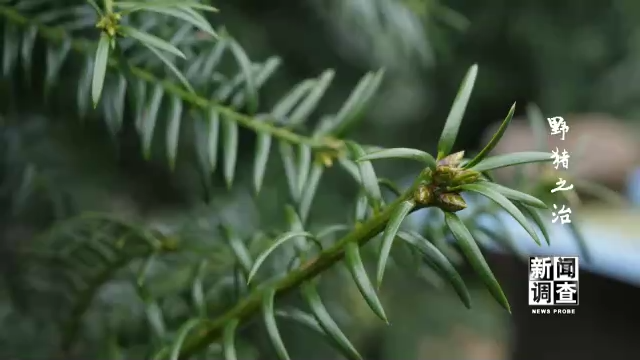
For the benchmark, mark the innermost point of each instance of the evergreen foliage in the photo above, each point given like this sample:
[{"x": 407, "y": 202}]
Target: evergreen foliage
[{"x": 160, "y": 68}]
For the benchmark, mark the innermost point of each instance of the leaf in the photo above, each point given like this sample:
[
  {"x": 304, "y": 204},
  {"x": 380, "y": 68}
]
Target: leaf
[
  {"x": 194, "y": 70},
  {"x": 454, "y": 19},
  {"x": 580, "y": 241},
  {"x": 600, "y": 191},
  {"x": 487, "y": 175},
  {"x": 437, "y": 233},
  {"x": 150, "y": 119},
  {"x": 91, "y": 257},
  {"x": 131, "y": 6},
  {"x": 494, "y": 140},
  {"x": 171, "y": 67},
  {"x": 26, "y": 50},
  {"x": 179, "y": 12},
  {"x": 361, "y": 210},
  {"x": 25, "y": 190},
  {"x": 503, "y": 202},
  {"x": 452, "y": 124},
  {"x": 515, "y": 195},
  {"x": 228, "y": 340},
  {"x": 354, "y": 263},
  {"x": 501, "y": 236},
  {"x": 245, "y": 66},
  {"x": 262, "y": 156},
  {"x": 119, "y": 99},
  {"x": 326, "y": 322},
  {"x": 304, "y": 165},
  {"x": 538, "y": 126},
  {"x": 108, "y": 110},
  {"x": 263, "y": 74},
  {"x": 181, "y": 34},
  {"x": 139, "y": 100},
  {"x": 571, "y": 197},
  {"x": 100, "y": 68},
  {"x": 534, "y": 215},
  {"x": 271, "y": 325},
  {"x": 197, "y": 289},
  {"x": 113, "y": 103},
  {"x": 440, "y": 262},
  {"x": 142, "y": 275},
  {"x": 155, "y": 318},
  {"x": 153, "y": 312},
  {"x": 113, "y": 348},
  {"x": 213, "y": 57},
  {"x": 239, "y": 249},
  {"x": 182, "y": 335},
  {"x": 68, "y": 17},
  {"x": 473, "y": 254},
  {"x": 389, "y": 185},
  {"x": 291, "y": 98},
  {"x": 356, "y": 104},
  {"x": 173, "y": 131},
  {"x": 288, "y": 161},
  {"x": 230, "y": 146},
  {"x": 108, "y": 6},
  {"x": 367, "y": 176},
  {"x": 324, "y": 126},
  {"x": 309, "y": 191},
  {"x": 151, "y": 40},
  {"x": 306, "y": 107},
  {"x": 426, "y": 273},
  {"x": 198, "y": 20},
  {"x": 84, "y": 88},
  {"x": 401, "y": 153},
  {"x": 55, "y": 59},
  {"x": 95, "y": 7},
  {"x": 102, "y": 253},
  {"x": 351, "y": 168},
  {"x": 212, "y": 137},
  {"x": 295, "y": 224},
  {"x": 9, "y": 48},
  {"x": 301, "y": 317},
  {"x": 500, "y": 161},
  {"x": 331, "y": 229},
  {"x": 201, "y": 147},
  {"x": 399, "y": 213},
  {"x": 280, "y": 240}
]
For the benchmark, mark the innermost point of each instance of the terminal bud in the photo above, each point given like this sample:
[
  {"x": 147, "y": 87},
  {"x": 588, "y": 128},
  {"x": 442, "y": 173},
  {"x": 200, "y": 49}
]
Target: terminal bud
[
  {"x": 423, "y": 195},
  {"x": 465, "y": 177},
  {"x": 444, "y": 175},
  {"x": 451, "y": 202},
  {"x": 452, "y": 160}
]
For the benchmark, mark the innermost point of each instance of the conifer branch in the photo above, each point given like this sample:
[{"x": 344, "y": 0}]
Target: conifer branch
[
  {"x": 265, "y": 125},
  {"x": 307, "y": 271}
]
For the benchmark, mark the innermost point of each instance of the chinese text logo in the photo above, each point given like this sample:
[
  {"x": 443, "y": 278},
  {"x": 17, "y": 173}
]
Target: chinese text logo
[{"x": 553, "y": 281}]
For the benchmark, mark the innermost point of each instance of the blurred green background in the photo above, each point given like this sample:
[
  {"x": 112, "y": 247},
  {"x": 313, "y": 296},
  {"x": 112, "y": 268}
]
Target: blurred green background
[{"x": 569, "y": 57}]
